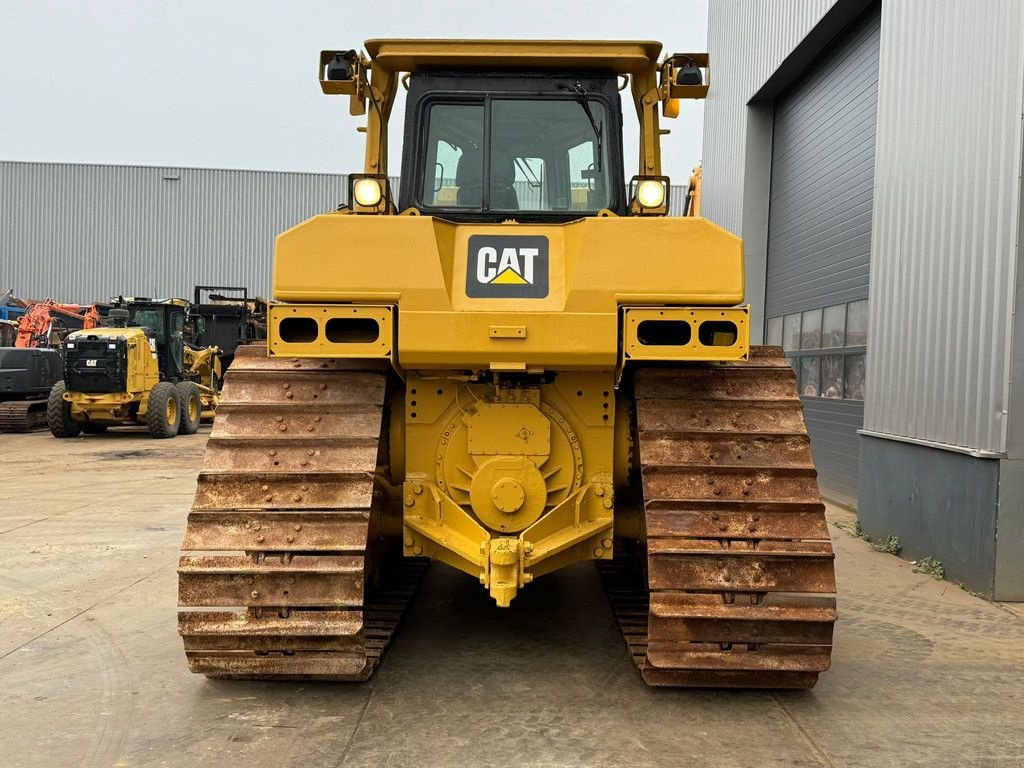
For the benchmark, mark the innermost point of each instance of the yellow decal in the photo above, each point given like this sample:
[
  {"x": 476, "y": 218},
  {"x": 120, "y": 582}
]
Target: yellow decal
[{"x": 509, "y": 277}]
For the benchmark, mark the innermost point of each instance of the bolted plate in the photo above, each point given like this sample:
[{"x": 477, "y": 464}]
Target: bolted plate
[
  {"x": 299, "y": 387},
  {"x": 748, "y": 417},
  {"x": 230, "y": 580},
  {"x": 725, "y": 678},
  {"x": 291, "y": 455},
  {"x": 232, "y": 665},
  {"x": 501, "y": 429},
  {"x": 782, "y": 658},
  {"x": 252, "y": 531},
  {"x": 786, "y": 484},
  {"x": 298, "y": 631},
  {"x": 712, "y": 449},
  {"x": 297, "y": 422},
  {"x": 718, "y": 523},
  {"x": 742, "y": 383},
  {"x": 291, "y": 490},
  {"x": 700, "y": 564}
]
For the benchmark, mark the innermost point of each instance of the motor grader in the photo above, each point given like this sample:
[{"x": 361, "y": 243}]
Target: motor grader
[
  {"x": 514, "y": 362},
  {"x": 139, "y": 369}
]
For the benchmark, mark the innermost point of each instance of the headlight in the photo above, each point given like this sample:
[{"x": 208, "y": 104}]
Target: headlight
[
  {"x": 367, "y": 192},
  {"x": 650, "y": 193}
]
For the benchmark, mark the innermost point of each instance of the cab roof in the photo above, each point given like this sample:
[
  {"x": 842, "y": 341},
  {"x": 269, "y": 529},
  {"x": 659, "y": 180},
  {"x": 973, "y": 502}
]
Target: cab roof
[{"x": 617, "y": 56}]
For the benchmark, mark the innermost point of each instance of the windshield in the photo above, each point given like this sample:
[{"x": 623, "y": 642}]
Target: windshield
[
  {"x": 544, "y": 155},
  {"x": 150, "y": 320}
]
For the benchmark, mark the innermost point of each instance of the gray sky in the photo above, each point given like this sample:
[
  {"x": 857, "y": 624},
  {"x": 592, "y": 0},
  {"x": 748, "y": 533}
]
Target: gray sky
[{"x": 233, "y": 84}]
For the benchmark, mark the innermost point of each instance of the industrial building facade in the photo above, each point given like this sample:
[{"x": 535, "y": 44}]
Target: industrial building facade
[
  {"x": 870, "y": 154},
  {"x": 75, "y": 232}
]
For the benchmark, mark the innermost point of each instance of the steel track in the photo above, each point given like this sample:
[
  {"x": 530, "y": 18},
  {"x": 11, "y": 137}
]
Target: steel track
[
  {"x": 733, "y": 582},
  {"x": 298, "y": 587},
  {"x": 23, "y": 415}
]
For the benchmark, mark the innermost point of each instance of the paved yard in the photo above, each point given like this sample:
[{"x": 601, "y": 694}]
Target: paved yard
[{"x": 93, "y": 674}]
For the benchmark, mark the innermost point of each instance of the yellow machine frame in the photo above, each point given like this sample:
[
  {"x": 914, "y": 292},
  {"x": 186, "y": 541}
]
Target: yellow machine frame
[{"x": 509, "y": 434}]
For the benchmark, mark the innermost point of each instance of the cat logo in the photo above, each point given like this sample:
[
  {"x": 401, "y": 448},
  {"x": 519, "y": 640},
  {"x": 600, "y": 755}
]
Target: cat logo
[{"x": 507, "y": 266}]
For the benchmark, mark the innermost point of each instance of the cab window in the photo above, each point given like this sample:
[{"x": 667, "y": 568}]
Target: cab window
[
  {"x": 455, "y": 161},
  {"x": 541, "y": 155}
]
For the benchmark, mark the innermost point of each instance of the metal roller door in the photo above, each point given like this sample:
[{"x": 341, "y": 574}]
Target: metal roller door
[{"x": 819, "y": 243}]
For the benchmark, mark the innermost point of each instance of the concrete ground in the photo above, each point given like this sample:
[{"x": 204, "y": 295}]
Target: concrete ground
[{"x": 92, "y": 672}]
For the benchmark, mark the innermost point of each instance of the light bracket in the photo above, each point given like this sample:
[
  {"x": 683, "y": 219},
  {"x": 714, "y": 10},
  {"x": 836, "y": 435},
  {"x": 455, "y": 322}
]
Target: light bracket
[
  {"x": 685, "y": 76},
  {"x": 384, "y": 205},
  {"x": 636, "y": 208}
]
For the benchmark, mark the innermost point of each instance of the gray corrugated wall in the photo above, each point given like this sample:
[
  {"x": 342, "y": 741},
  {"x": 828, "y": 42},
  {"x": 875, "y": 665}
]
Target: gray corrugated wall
[
  {"x": 835, "y": 446},
  {"x": 677, "y": 199},
  {"x": 819, "y": 223},
  {"x": 747, "y": 40},
  {"x": 823, "y": 159},
  {"x": 79, "y": 233},
  {"x": 947, "y": 205}
]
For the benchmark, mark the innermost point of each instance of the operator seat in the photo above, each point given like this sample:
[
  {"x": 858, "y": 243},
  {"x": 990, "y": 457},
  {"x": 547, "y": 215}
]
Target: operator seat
[
  {"x": 503, "y": 176},
  {"x": 469, "y": 178}
]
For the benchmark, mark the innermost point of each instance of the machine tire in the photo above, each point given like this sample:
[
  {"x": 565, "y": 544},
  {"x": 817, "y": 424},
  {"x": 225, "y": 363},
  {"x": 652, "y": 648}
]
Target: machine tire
[
  {"x": 191, "y": 407},
  {"x": 163, "y": 414},
  {"x": 58, "y": 413},
  {"x": 94, "y": 429}
]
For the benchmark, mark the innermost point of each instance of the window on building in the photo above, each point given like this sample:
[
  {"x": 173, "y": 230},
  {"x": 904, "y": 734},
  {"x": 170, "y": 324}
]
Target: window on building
[
  {"x": 857, "y": 324},
  {"x": 833, "y": 327},
  {"x": 832, "y": 376},
  {"x": 855, "y": 377},
  {"x": 810, "y": 378},
  {"x": 826, "y": 348},
  {"x": 810, "y": 330},
  {"x": 791, "y": 332}
]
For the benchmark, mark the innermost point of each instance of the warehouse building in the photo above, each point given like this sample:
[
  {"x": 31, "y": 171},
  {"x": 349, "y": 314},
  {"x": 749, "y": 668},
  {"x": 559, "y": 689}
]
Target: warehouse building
[
  {"x": 870, "y": 154},
  {"x": 76, "y": 232}
]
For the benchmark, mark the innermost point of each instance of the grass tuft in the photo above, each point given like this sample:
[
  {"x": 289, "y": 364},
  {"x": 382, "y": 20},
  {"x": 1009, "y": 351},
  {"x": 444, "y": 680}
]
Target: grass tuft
[
  {"x": 931, "y": 566},
  {"x": 890, "y": 546},
  {"x": 853, "y": 529}
]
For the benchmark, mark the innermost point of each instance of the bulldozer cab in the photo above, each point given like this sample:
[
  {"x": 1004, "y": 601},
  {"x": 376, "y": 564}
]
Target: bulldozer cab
[
  {"x": 499, "y": 129},
  {"x": 163, "y": 322},
  {"x": 536, "y": 146}
]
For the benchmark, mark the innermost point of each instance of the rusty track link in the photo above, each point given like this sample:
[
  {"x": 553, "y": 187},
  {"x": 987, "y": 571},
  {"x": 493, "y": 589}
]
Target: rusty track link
[
  {"x": 283, "y": 572},
  {"x": 23, "y": 415},
  {"x": 733, "y": 585}
]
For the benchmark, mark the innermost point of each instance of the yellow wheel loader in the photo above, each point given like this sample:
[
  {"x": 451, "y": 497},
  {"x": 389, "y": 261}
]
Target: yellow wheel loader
[
  {"x": 514, "y": 362},
  {"x": 140, "y": 370}
]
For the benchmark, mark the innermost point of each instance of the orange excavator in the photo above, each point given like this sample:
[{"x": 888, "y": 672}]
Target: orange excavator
[
  {"x": 46, "y": 323},
  {"x": 30, "y": 368}
]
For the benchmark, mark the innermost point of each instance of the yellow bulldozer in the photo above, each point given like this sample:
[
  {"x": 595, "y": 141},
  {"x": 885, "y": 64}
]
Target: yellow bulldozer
[
  {"x": 513, "y": 362},
  {"x": 138, "y": 369}
]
